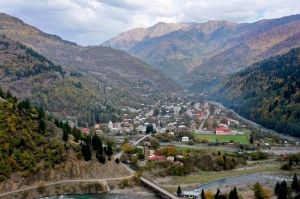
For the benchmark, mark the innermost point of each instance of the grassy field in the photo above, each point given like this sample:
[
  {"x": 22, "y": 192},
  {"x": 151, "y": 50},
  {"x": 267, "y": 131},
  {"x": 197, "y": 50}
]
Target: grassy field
[
  {"x": 209, "y": 177},
  {"x": 243, "y": 139}
]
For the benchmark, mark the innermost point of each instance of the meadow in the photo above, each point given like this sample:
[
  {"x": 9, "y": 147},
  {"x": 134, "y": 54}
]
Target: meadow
[{"x": 243, "y": 139}]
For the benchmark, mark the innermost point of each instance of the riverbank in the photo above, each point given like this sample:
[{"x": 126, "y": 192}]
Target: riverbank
[{"x": 244, "y": 178}]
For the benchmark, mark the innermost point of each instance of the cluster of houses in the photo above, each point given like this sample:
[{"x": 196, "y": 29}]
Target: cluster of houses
[{"x": 150, "y": 157}]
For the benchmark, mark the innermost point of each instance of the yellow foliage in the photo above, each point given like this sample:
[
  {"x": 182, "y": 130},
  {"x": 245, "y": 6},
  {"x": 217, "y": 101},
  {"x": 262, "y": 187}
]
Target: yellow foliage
[
  {"x": 25, "y": 173},
  {"x": 209, "y": 195},
  {"x": 66, "y": 189}
]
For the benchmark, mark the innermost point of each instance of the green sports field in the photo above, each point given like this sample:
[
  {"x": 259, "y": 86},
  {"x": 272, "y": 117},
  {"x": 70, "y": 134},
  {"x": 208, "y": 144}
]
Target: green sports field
[{"x": 243, "y": 139}]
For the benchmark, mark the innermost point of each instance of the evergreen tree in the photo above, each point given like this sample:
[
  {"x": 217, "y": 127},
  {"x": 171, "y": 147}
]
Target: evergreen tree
[
  {"x": 295, "y": 184},
  {"x": 178, "y": 191},
  {"x": 202, "y": 194},
  {"x": 42, "y": 126},
  {"x": 217, "y": 194},
  {"x": 277, "y": 188},
  {"x": 233, "y": 194},
  {"x": 109, "y": 149},
  {"x": 87, "y": 152},
  {"x": 65, "y": 135}
]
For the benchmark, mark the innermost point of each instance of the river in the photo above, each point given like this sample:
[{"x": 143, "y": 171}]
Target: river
[{"x": 245, "y": 179}]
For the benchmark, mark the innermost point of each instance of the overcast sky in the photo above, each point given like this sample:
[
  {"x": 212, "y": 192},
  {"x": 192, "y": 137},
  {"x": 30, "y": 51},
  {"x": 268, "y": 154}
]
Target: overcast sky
[{"x": 91, "y": 22}]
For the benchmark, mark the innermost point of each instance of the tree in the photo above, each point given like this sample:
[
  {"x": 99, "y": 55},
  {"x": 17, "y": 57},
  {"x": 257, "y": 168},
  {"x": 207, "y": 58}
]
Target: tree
[
  {"x": 149, "y": 129},
  {"x": 215, "y": 123},
  {"x": 87, "y": 152},
  {"x": 154, "y": 143},
  {"x": 295, "y": 184},
  {"x": 178, "y": 191},
  {"x": 42, "y": 126},
  {"x": 128, "y": 148},
  {"x": 202, "y": 194},
  {"x": 259, "y": 191},
  {"x": 217, "y": 194},
  {"x": 233, "y": 194},
  {"x": 65, "y": 136}
]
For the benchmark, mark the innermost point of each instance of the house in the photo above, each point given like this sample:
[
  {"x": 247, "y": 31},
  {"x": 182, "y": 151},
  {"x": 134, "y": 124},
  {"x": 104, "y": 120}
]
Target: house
[
  {"x": 182, "y": 128},
  {"x": 185, "y": 139},
  {"x": 178, "y": 163},
  {"x": 223, "y": 131},
  {"x": 99, "y": 132},
  {"x": 284, "y": 157},
  {"x": 85, "y": 130},
  {"x": 128, "y": 126},
  {"x": 156, "y": 158},
  {"x": 171, "y": 158},
  {"x": 114, "y": 130}
]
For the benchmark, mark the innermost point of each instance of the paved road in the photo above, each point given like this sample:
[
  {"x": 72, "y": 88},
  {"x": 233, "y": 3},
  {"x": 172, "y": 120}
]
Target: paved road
[{"x": 201, "y": 125}]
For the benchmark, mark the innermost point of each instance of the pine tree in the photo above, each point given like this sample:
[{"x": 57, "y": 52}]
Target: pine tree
[
  {"x": 178, "y": 191},
  {"x": 233, "y": 194},
  {"x": 295, "y": 184},
  {"x": 42, "y": 126},
  {"x": 202, "y": 194},
  {"x": 65, "y": 135},
  {"x": 86, "y": 151},
  {"x": 217, "y": 194}
]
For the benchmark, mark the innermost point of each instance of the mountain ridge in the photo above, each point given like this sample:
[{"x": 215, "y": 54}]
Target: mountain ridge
[{"x": 196, "y": 48}]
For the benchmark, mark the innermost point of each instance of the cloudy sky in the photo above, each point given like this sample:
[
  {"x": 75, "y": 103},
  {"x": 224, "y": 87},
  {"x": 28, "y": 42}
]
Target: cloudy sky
[{"x": 91, "y": 22}]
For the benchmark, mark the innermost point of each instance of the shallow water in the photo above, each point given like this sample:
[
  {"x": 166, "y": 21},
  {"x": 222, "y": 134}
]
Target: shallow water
[{"x": 251, "y": 178}]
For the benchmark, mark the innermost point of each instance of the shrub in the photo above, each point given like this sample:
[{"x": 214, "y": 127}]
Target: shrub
[
  {"x": 126, "y": 182},
  {"x": 2, "y": 178},
  {"x": 117, "y": 160},
  {"x": 41, "y": 188},
  {"x": 47, "y": 165},
  {"x": 66, "y": 189},
  {"x": 25, "y": 173}
]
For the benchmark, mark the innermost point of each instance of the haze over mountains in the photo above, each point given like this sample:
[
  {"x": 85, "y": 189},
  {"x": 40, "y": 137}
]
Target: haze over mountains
[{"x": 201, "y": 55}]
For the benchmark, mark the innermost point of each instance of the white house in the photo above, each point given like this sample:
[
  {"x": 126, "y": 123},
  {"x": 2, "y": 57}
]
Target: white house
[{"x": 185, "y": 139}]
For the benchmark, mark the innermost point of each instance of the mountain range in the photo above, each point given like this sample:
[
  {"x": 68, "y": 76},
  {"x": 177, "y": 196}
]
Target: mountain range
[
  {"x": 106, "y": 75},
  {"x": 267, "y": 92},
  {"x": 201, "y": 55}
]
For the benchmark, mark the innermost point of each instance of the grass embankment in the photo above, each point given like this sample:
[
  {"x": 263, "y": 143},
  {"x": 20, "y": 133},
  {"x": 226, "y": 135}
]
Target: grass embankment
[
  {"x": 209, "y": 177},
  {"x": 243, "y": 139}
]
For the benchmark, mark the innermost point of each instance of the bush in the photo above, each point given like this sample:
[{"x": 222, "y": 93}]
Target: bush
[
  {"x": 25, "y": 173},
  {"x": 47, "y": 165},
  {"x": 117, "y": 160},
  {"x": 41, "y": 188},
  {"x": 2, "y": 178},
  {"x": 126, "y": 182}
]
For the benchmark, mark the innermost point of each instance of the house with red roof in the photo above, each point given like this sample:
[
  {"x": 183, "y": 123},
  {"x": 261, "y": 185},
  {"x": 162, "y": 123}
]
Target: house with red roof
[
  {"x": 223, "y": 131},
  {"x": 85, "y": 130},
  {"x": 156, "y": 158}
]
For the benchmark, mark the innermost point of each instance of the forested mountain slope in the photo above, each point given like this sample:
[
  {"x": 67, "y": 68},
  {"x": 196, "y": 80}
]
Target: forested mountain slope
[
  {"x": 111, "y": 67},
  {"x": 201, "y": 55},
  {"x": 267, "y": 92},
  {"x": 35, "y": 151}
]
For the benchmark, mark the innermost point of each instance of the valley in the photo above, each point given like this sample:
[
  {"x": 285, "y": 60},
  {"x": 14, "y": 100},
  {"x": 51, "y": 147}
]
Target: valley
[{"x": 198, "y": 110}]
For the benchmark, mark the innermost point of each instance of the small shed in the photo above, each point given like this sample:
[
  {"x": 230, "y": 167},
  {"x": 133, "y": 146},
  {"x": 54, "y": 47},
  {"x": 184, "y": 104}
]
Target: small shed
[{"x": 185, "y": 139}]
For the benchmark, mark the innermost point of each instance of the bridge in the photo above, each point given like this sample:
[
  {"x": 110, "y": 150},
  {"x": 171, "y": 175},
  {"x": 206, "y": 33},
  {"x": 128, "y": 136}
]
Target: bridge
[
  {"x": 141, "y": 139},
  {"x": 158, "y": 188}
]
